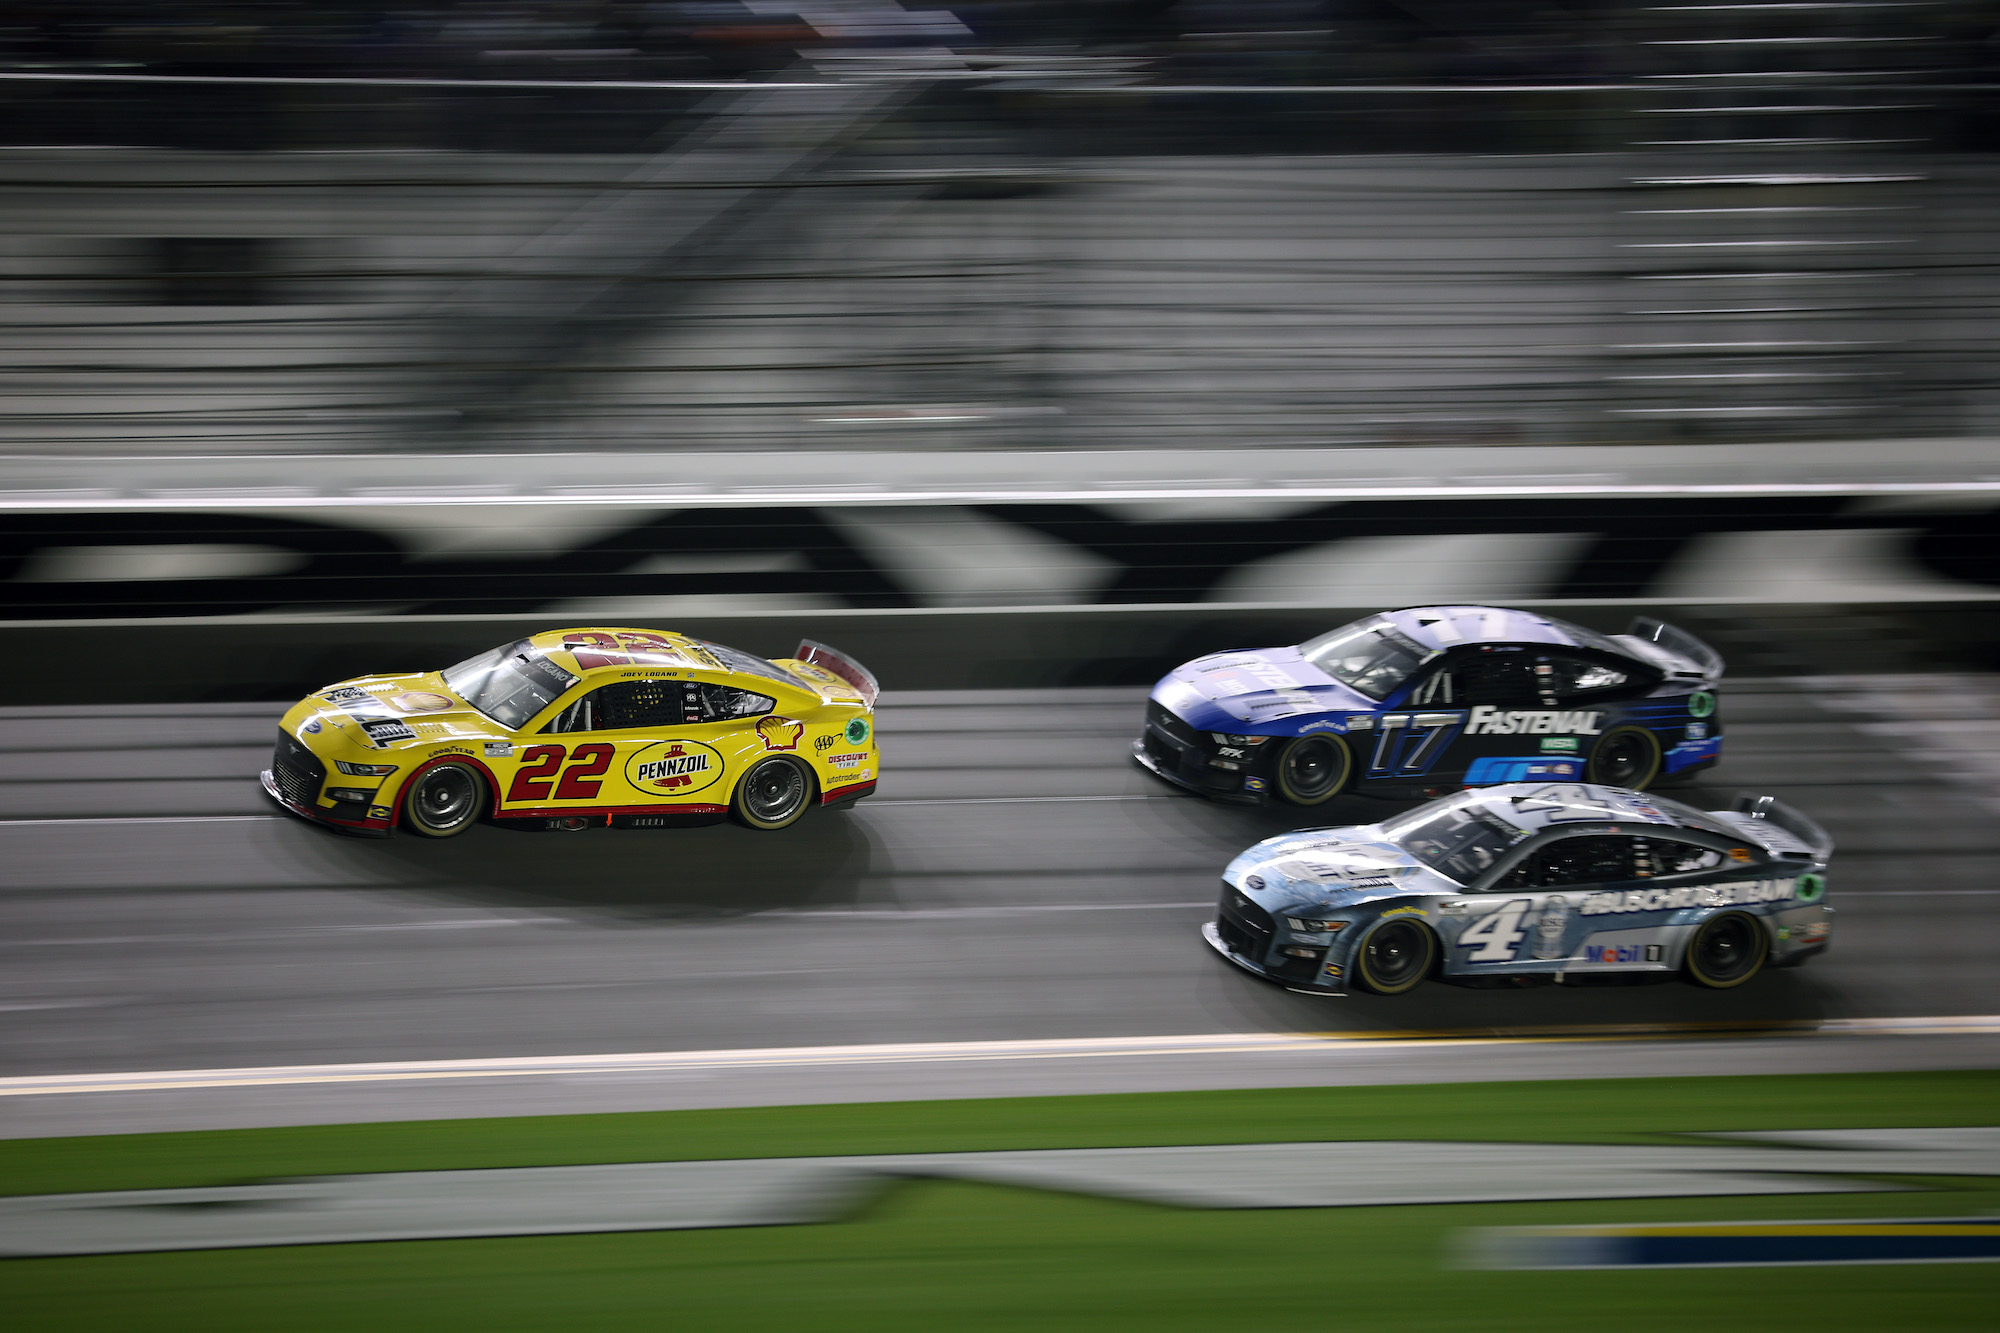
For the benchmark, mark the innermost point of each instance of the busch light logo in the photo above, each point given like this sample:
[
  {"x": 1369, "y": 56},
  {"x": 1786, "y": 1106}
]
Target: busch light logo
[
  {"x": 1737, "y": 893},
  {"x": 1549, "y": 930}
]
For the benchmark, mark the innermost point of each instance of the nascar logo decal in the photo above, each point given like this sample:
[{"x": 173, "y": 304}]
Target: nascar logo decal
[{"x": 674, "y": 767}]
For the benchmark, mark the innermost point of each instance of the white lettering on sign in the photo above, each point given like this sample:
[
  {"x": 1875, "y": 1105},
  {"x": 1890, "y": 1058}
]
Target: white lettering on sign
[
  {"x": 1692, "y": 895},
  {"x": 1490, "y": 721}
]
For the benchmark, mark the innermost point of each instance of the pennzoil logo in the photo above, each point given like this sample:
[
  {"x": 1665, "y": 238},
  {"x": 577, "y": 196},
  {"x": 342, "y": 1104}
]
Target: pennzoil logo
[{"x": 673, "y": 767}]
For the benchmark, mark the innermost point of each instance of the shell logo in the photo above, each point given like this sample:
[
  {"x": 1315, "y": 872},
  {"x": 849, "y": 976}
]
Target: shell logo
[
  {"x": 677, "y": 768},
  {"x": 779, "y": 733}
]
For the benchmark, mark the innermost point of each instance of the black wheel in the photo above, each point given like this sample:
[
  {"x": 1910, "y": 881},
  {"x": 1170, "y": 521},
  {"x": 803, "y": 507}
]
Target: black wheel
[
  {"x": 444, "y": 802},
  {"x": 1395, "y": 957},
  {"x": 1626, "y": 757},
  {"x": 773, "y": 794},
  {"x": 1727, "y": 951},
  {"x": 1314, "y": 769}
]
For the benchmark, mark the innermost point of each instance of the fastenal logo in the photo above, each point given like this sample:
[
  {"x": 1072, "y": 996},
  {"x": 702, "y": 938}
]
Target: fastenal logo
[
  {"x": 1489, "y": 721},
  {"x": 676, "y": 768}
]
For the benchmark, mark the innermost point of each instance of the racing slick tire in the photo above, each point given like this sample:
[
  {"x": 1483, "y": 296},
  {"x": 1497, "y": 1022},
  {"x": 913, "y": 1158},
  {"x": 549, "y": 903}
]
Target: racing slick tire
[
  {"x": 773, "y": 794},
  {"x": 1312, "y": 770},
  {"x": 1727, "y": 951},
  {"x": 1395, "y": 956},
  {"x": 1626, "y": 757},
  {"x": 444, "y": 802}
]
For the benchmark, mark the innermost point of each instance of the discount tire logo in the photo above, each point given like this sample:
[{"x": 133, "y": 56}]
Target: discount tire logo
[{"x": 673, "y": 768}]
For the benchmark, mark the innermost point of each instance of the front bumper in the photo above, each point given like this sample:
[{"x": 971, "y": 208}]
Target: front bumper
[
  {"x": 367, "y": 828},
  {"x": 1318, "y": 984},
  {"x": 1144, "y": 752}
]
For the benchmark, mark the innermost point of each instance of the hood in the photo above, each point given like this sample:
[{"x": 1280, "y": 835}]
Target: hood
[
  {"x": 383, "y": 712},
  {"x": 1265, "y": 685},
  {"x": 1331, "y": 868}
]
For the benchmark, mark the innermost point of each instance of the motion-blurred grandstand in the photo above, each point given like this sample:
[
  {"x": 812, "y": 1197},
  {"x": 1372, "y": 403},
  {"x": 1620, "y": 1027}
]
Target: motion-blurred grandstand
[{"x": 332, "y": 227}]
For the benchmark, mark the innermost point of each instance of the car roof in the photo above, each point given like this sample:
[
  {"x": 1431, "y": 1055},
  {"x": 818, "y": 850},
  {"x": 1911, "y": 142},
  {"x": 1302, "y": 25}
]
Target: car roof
[
  {"x": 1542, "y": 805},
  {"x": 1443, "y": 627},
  {"x": 595, "y": 647}
]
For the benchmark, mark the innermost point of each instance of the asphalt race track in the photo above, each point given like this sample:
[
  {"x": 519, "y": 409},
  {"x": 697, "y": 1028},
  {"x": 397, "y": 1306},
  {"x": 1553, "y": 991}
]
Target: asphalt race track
[{"x": 1016, "y": 878}]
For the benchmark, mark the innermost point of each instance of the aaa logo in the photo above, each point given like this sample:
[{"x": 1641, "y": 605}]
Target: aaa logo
[{"x": 779, "y": 733}]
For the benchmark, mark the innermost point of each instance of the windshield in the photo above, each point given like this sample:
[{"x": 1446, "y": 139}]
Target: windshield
[
  {"x": 1461, "y": 841},
  {"x": 1373, "y": 658},
  {"x": 738, "y": 660},
  {"x": 509, "y": 685}
]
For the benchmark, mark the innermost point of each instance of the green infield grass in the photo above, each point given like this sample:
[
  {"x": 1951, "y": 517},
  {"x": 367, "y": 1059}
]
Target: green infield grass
[{"x": 964, "y": 1256}]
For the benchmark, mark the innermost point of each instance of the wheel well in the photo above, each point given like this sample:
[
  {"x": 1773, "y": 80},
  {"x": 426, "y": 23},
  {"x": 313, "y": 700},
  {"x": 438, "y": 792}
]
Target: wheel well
[{"x": 463, "y": 761}]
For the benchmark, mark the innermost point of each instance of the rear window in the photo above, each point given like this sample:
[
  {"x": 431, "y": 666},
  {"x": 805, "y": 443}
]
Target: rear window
[{"x": 735, "y": 659}]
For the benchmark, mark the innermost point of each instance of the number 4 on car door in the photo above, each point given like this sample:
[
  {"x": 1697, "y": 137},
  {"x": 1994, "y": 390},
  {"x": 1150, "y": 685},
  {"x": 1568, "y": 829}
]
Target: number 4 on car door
[{"x": 1493, "y": 938}]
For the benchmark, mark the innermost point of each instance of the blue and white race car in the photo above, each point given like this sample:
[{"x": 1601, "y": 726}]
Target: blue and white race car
[
  {"x": 1427, "y": 700},
  {"x": 1528, "y": 883}
]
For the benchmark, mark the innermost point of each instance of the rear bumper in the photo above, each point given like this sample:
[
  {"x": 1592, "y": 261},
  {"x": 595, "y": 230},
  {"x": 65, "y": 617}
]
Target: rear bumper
[
  {"x": 848, "y": 795},
  {"x": 367, "y": 828}
]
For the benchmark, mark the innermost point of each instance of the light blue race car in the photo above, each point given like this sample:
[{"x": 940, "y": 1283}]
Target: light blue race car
[
  {"x": 1530, "y": 883},
  {"x": 1423, "y": 701}
]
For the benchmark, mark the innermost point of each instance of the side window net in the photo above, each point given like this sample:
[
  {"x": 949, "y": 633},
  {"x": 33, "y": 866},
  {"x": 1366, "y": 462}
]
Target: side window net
[
  {"x": 1593, "y": 859},
  {"x": 1669, "y": 856},
  {"x": 633, "y": 704},
  {"x": 1575, "y": 678}
]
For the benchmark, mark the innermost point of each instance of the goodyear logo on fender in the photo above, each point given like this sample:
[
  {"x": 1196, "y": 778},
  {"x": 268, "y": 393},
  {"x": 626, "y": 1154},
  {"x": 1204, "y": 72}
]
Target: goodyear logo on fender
[
  {"x": 1489, "y": 721},
  {"x": 673, "y": 768}
]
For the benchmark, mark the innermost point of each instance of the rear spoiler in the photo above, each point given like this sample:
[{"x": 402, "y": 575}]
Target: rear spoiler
[
  {"x": 1680, "y": 643},
  {"x": 1779, "y": 815},
  {"x": 841, "y": 665}
]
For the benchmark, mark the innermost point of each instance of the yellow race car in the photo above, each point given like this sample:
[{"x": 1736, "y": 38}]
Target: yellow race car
[{"x": 576, "y": 728}]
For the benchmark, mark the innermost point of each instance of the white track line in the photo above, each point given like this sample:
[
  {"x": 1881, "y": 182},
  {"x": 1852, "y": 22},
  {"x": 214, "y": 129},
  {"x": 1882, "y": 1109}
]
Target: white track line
[{"x": 1214, "y": 1043}]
